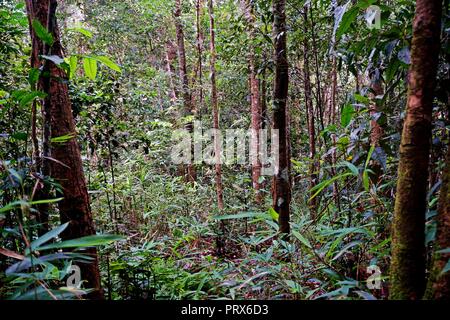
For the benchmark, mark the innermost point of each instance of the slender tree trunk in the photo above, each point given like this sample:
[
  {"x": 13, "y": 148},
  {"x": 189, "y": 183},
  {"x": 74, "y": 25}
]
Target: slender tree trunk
[
  {"x": 281, "y": 188},
  {"x": 255, "y": 102},
  {"x": 198, "y": 6},
  {"x": 67, "y": 170},
  {"x": 188, "y": 107},
  {"x": 408, "y": 249},
  {"x": 215, "y": 107},
  {"x": 170, "y": 56},
  {"x": 439, "y": 283},
  {"x": 310, "y": 112},
  {"x": 376, "y": 131}
]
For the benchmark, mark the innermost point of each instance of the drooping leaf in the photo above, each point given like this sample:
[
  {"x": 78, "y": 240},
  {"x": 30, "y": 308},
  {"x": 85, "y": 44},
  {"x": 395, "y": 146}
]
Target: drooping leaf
[
  {"x": 73, "y": 62},
  {"x": 90, "y": 67},
  {"x": 107, "y": 62},
  {"x": 42, "y": 32},
  {"x": 48, "y": 236}
]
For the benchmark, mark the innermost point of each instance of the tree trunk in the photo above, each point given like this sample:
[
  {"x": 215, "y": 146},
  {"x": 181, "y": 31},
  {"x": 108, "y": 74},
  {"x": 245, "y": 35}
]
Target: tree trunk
[
  {"x": 281, "y": 189},
  {"x": 439, "y": 284},
  {"x": 311, "y": 118},
  {"x": 408, "y": 249},
  {"x": 255, "y": 102},
  {"x": 215, "y": 108},
  {"x": 67, "y": 170},
  {"x": 188, "y": 107}
]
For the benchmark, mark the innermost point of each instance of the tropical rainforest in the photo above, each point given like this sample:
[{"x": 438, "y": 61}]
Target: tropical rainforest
[{"x": 224, "y": 149}]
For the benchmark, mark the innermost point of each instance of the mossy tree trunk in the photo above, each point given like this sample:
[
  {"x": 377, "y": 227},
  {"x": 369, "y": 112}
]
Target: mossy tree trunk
[{"x": 408, "y": 250}]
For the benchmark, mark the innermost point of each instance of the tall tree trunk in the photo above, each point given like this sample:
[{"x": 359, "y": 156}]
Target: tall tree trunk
[
  {"x": 281, "y": 189},
  {"x": 408, "y": 249},
  {"x": 310, "y": 112},
  {"x": 198, "y": 6},
  {"x": 215, "y": 107},
  {"x": 376, "y": 131},
  {"x": 255, "y": 102},
  {"x": 67, "y": 170},
  {"x": 39, "y": 12},
  {"x": 170, "y": 56},
  {"x": 188, "y": 107},
  {"x": 439, "y": 284}
]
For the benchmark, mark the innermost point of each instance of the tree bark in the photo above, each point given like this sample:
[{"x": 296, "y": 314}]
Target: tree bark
[
  {"x": 311, "y": 118},
  {"x": 187, "y": 102},
  {"x": 408, "y": 249},
  {"x": 255, "y": 102},
  {"x": 67, "y": 170},
  {"x": 215, "y": 107},
  {"x": 281, "y": 189}
]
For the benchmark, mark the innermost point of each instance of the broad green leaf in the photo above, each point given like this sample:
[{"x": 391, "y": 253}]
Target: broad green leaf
[
  {"x": 273, "y": 214},
  {"x": 347, "y": 115},
  {"x": 107, "y": 62},
  {"x": 30, "y": 97},
  {"x": 88, "y": 241},
  {"x": 42, "y": 32},
  {"x": 33, "y": 77},
  {"x": 90, "y": 67},
  {"x": 73, "y": 62},
  {"x": 348, "y": 18}
]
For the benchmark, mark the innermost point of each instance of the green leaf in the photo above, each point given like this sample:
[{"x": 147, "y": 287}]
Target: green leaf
[
  {"x": 107, "y": 62},
  {"x": 42, "y": 32},
  {"x": 73, "y": 62},
  {"x": 83, "y": 31},
  {"x": 88, "y": 241},
  {"x": 20, "y": 136},
  {"x": 29, "y": 97},
  {"x": 241, "y": 215},
  {"x": 348, "y": 18},
  {"x": 319, "y": 187},
  {"x": 347, "y": 115},
  {"x": 302, "y": 239},
  {"x": 62, "y": 139},
  {"x": 33, "y": 77},
  {"x": 273, "y": 214},
  {"x": 365, "y": 179},
  {"x": 90, "y": 67},
  {"x": 369, "y": 156},
  {"x": 345, "y": 249},
  {"x": 48, "y": 236},
  {"x": 351, "y": 167}
]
